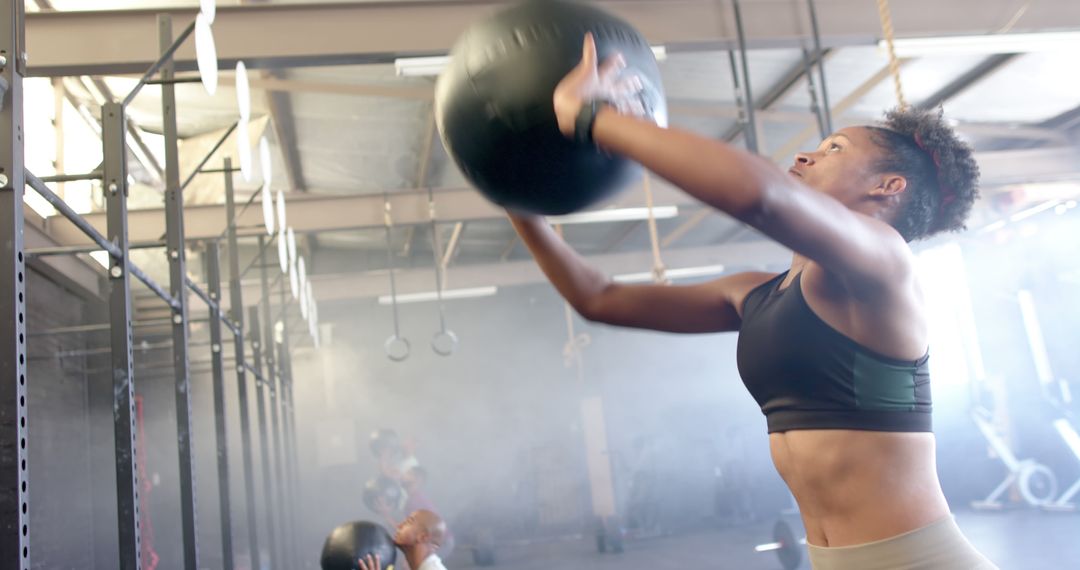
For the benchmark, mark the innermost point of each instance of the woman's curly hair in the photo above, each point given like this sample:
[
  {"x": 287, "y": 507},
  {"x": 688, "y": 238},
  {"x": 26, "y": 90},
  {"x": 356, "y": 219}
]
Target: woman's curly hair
[{"x": 942, "y": 176}]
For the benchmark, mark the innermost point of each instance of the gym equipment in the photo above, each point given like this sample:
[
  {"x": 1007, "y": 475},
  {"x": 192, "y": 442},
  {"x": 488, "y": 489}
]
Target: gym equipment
[
  {"x": 494, "y": 112},
  {"x": 1035, "y": 481},
  {"x": 350, "y": 542},
  {"x": 1067, "y": 433},
  {"x": 396, "y": 346},
  {"x": 609, "y": 535},
  {"x": 444, "y": 342},
  {"x": 1055, "y": 391},
  {"x": 484, "y": 548},
  {"x": 385, "y": 489},
  {"x": 787, "y": 548}
]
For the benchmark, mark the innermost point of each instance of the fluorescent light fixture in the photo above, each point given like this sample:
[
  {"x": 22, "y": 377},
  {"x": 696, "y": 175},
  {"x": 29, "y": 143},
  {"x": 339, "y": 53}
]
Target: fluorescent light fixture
[
  {"x": 421, "y": 66},
  {"x": 683, "y": 273},
  {"x": 1025, "y": 214},
  {"x": 447, "y": 294},
  {"x": 434, "y": 65},
  {"x": 615, "y": 215},
  {"x": 986, "y": 44}
]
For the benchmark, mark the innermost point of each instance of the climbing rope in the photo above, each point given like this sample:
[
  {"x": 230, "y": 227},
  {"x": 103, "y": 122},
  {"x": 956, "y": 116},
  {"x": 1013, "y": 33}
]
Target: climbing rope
[{"x": 885, "y": 14}]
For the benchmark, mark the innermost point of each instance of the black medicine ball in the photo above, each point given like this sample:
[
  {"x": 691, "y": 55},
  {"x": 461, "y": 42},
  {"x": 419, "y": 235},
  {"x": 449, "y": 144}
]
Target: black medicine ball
[{"x": 495, "y": 114}]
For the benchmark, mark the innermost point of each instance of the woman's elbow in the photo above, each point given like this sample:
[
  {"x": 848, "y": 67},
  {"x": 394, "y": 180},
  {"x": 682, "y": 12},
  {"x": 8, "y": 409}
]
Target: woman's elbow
[{"x": 596, "y": 308}]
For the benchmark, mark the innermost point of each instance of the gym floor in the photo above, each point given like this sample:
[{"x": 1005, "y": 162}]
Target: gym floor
[{"x": 1014, "y": 540}]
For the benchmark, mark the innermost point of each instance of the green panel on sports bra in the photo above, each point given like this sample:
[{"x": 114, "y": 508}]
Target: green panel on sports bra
[{"x": 882, "y": 386}]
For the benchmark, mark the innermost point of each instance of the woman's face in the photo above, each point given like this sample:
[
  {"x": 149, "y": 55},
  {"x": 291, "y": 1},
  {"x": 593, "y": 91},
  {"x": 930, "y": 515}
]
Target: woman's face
[{"x": 843, "y": 166}]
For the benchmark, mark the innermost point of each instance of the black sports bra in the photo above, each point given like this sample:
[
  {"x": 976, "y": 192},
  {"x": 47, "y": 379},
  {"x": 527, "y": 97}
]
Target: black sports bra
[{"x": 807, "y": 375}]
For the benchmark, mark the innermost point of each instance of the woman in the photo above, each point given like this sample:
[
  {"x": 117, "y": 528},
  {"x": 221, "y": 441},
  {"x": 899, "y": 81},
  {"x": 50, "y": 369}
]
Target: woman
[{"x": 834, "y": 349}]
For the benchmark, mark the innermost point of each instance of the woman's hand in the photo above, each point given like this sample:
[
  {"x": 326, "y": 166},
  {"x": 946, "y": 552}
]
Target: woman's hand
[{"x": 589, "y": 82}]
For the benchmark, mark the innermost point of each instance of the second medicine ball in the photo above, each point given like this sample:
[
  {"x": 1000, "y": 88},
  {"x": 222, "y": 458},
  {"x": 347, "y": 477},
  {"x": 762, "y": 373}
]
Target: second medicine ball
[
  {"x": 493, "y": 105},
  {"x": 350, "y": 542}
]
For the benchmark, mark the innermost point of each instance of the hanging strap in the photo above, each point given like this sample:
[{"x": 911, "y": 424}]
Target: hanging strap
[
  {"x": 575, "y": 343},
  {"x": 659, "y": 270},
  {"x": 396, "y": 347}
]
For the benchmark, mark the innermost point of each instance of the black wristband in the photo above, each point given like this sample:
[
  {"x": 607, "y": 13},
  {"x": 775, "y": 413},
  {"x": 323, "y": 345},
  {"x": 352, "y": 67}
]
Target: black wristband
[{"x": 586, "y": 120}]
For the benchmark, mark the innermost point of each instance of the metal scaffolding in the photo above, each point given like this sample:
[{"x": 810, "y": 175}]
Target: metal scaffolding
[{"x": 14, "y": 492}]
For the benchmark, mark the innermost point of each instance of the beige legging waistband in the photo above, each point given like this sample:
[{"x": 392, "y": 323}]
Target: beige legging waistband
[{"x": 937, "y": 546}]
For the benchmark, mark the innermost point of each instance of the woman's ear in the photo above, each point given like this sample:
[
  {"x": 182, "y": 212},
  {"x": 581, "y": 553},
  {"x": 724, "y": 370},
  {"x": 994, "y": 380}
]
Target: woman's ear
[{"x": 891, "y": 185}]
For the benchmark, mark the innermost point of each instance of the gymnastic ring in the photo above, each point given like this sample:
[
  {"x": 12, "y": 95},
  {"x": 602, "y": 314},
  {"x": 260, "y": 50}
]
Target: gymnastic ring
[
  {"x": 444, "y": 342},
  {"x": 397, "y": 348}
]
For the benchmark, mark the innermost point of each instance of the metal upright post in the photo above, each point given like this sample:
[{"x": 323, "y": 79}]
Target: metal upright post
[
  {"x": 237, "y": 313},
  {"x": 213, "y": 278},
  {"x": 14, "y": 496},
  {"x": 811, "y": 88},
  {"x": 273, "y": 380},
  {"x": 264, "y": 437},
  {"x": 294, "y": 462},
  {"x": 285, "y": 397},
  {"x": 750, "y": 130},
  {"x": 174, "y": 232},
  {"x": 114, "y": 151},
  {"x": 826, "y": 110}
]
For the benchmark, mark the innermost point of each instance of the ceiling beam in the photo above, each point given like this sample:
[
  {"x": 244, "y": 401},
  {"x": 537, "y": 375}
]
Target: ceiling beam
[
  {"x": 966, "y": 80},
  {"x": 508, "y": 249},
  {"x": 134, "y": 140},
  {"x": 289, "y": 35},
  {"x": 792, "y": 145},
  {"x": 409, "y": 92},
  {"x": 620, "y": 235},
  {"x": 75, "y": 272},
  {"x": 283, "y": 122},
  {"x": 689, "y": 224},
  {"x": 758, "y": 255},
  {"x": 1065, "y": 121},
  {"x": 326, "y": 213},
  {"x": 761, "y": 254},
  {"x": 784, "y": 86},
  {"x": 676, "y": 106}
]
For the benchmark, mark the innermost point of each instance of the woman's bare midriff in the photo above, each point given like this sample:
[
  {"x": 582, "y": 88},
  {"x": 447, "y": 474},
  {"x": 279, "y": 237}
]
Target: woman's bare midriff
[{"x": 854, "y": 487}]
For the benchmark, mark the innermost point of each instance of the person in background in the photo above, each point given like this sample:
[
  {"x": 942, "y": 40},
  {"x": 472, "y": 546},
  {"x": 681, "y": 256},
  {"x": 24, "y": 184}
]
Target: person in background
[{"x": 420, "y": 537}]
